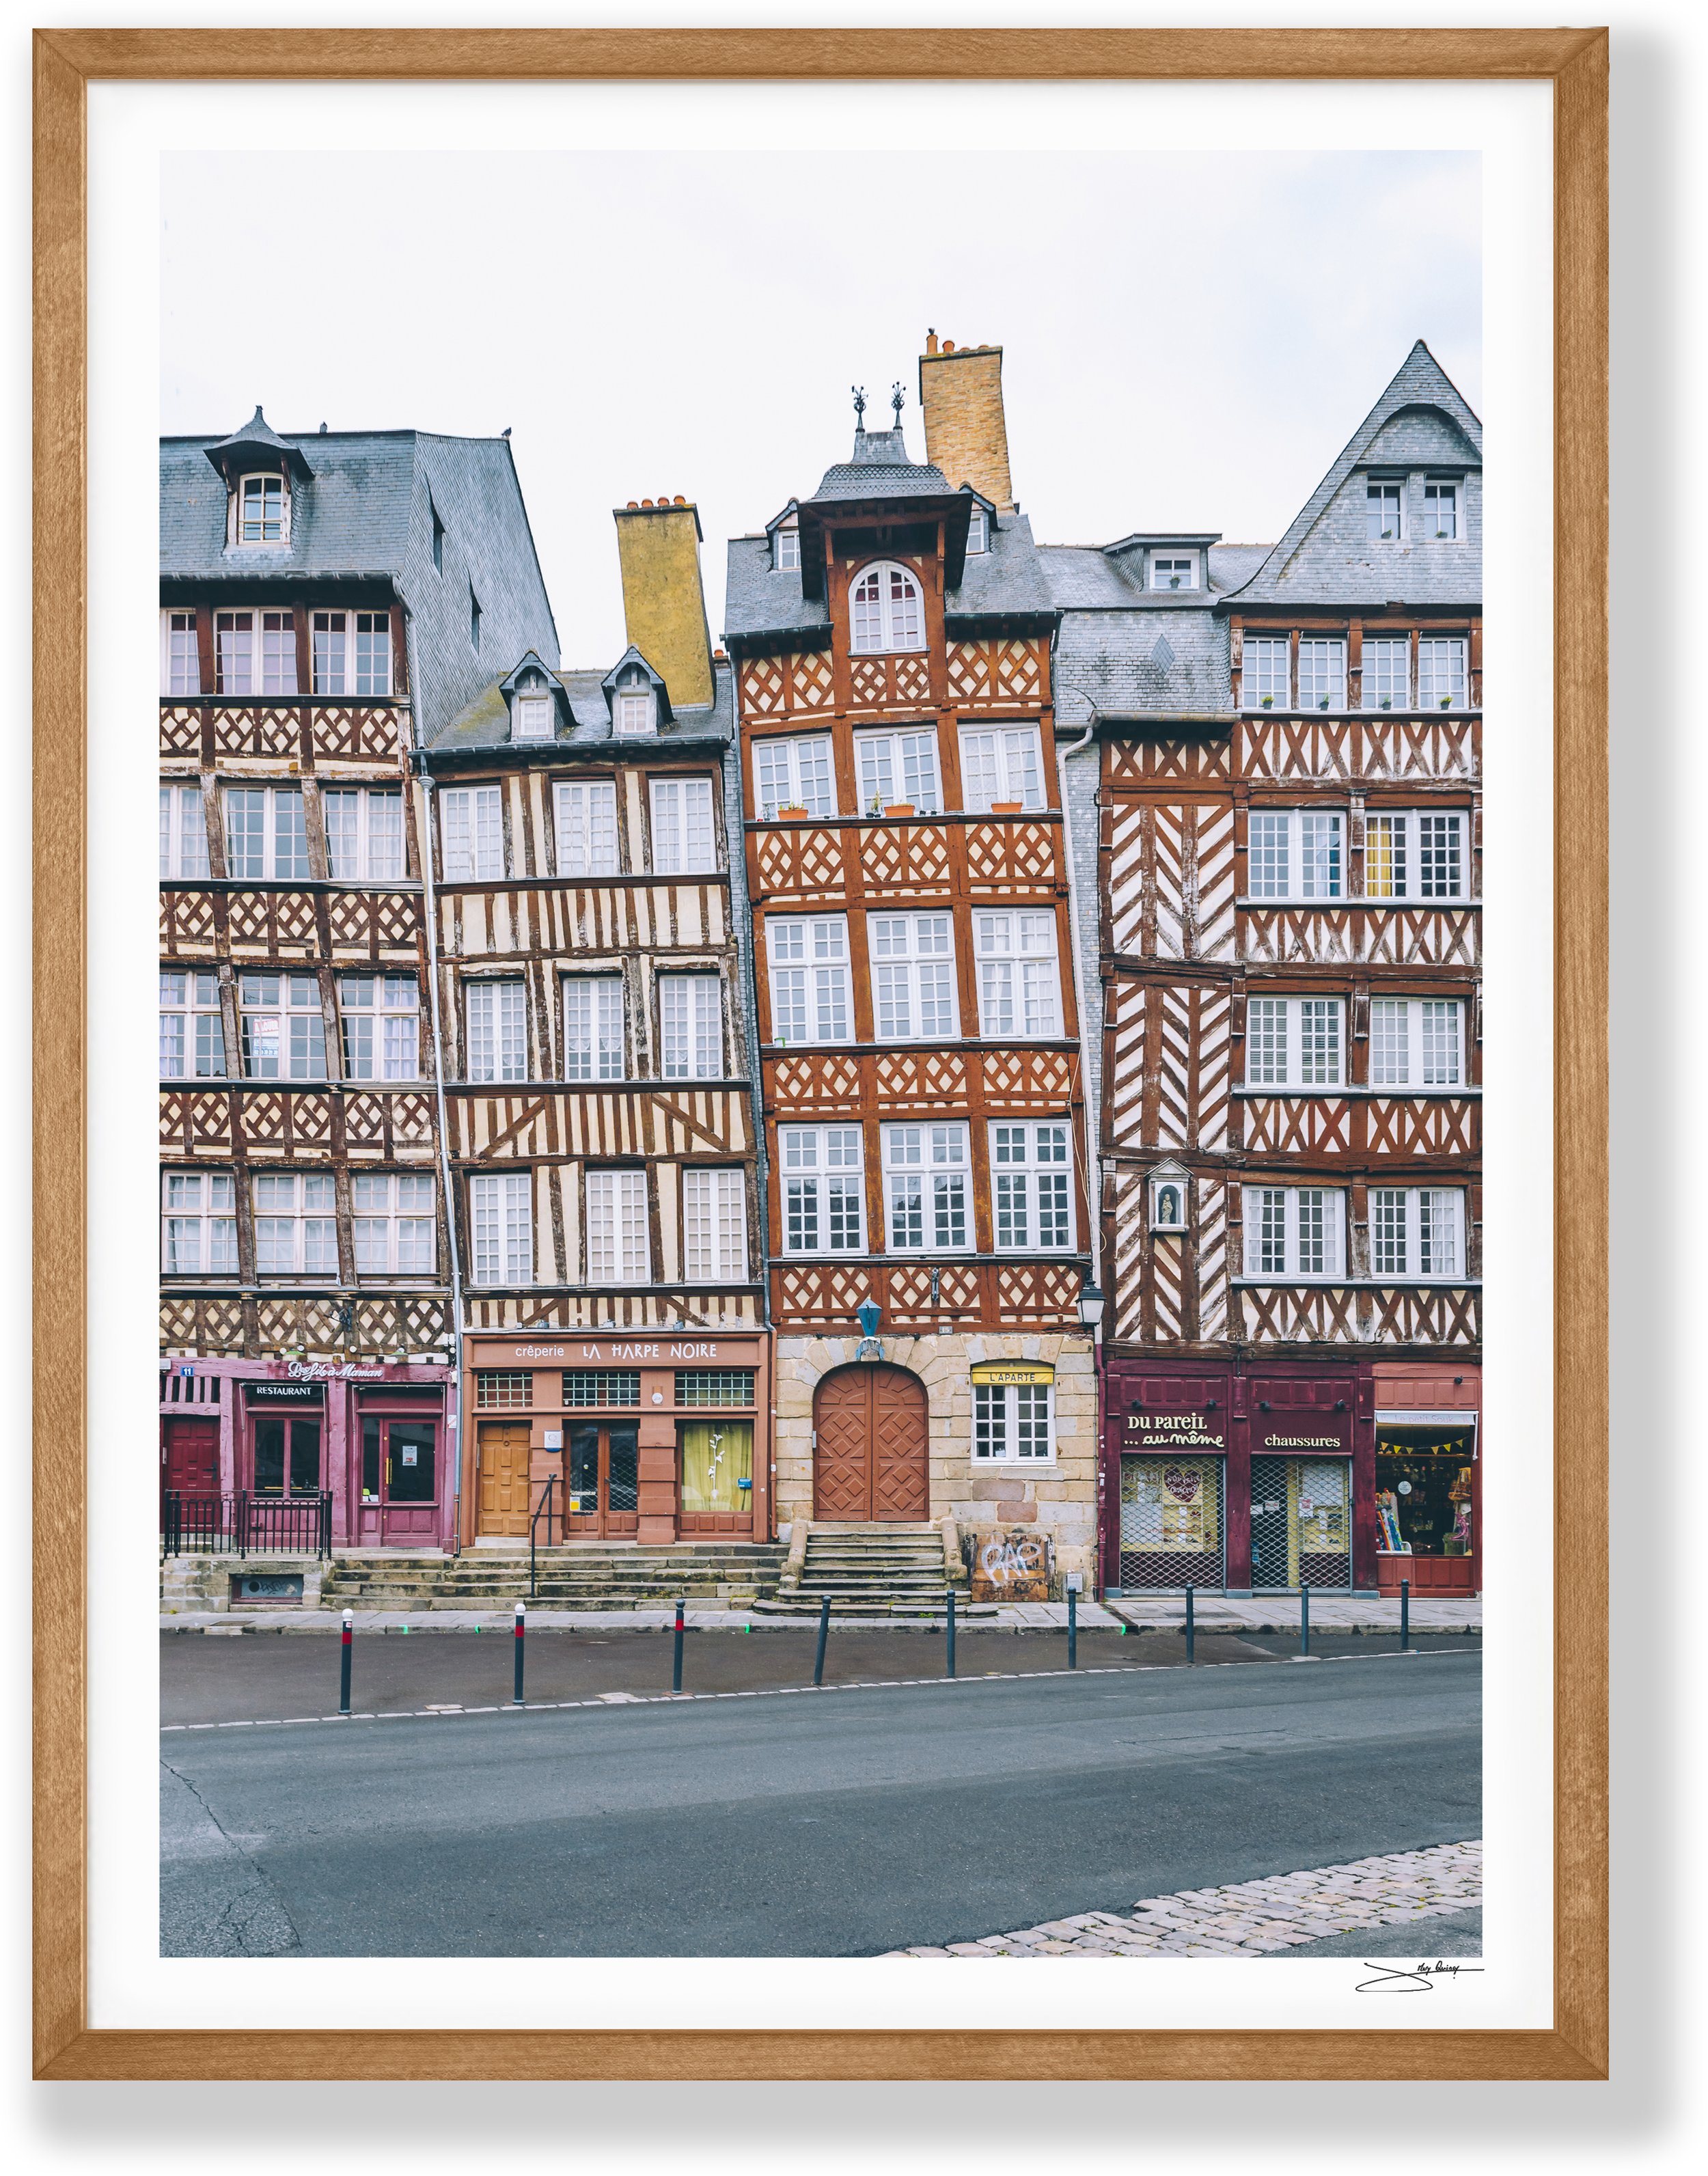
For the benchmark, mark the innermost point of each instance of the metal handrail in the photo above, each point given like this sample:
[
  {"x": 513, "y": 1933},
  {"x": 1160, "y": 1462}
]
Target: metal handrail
[
  {"x": 543, "y": 1505},
  {"x": 239, "y": 1523}
]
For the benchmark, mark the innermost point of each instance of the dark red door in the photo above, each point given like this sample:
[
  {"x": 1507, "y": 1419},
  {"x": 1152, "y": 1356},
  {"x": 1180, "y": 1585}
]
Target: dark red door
[
  {"x": 190, "y": 1458},
  {"x": 871, "y": 1452}
]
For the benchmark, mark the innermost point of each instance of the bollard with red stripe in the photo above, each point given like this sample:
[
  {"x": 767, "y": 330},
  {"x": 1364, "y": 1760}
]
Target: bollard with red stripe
[
  {"x": 676, "y": 1666},
  {"x": 344, "y": 1664},
  {"x": 521, "y": 1644}
]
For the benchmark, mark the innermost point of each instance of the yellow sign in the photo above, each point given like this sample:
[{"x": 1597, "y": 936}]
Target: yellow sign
[{"x": 1013, "y": 1371}]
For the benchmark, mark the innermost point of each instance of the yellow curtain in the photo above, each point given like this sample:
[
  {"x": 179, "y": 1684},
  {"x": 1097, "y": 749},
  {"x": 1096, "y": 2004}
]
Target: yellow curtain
[{"x": 716, "y": 1454}]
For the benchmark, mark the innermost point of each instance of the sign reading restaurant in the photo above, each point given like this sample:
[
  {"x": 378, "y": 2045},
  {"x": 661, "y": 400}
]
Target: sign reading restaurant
[
  {"x": 1173, "y": 1432},
  {"x": 656, "y": 1352}
]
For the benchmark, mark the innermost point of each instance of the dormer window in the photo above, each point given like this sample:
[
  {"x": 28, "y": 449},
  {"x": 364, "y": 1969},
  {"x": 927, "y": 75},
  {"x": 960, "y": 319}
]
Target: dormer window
[
  {"x": 1383, "y": 501},
  {"x": 1440, "y": 508},
  {"x": 887, "y": 611},
  {"x": 531, "y": 715},
  {"x": 1170, "y": 570},
  {"x": 633, "y": 712},
  {"x": 788, "y": 551},
  {"x": 262, "y": 515},
  {"x": 976, "y": 531}
]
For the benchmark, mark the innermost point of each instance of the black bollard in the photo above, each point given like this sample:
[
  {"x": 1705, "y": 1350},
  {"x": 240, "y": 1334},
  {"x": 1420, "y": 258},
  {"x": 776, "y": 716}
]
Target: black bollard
[
  {"x": 950, "y": 1671},
  {"x": 676, "y": 1666},
  {"x": 344, "y": 1662},
  {"x": 1404, "y": 1614},
  {"x": 1191, "y": 1629},
  {"x": 824, "y": 1633},
  {"x": 1073, "y": 1627},
  {"x": 1304, "y": 1618},
  {"x": 521, "y": 1643}
]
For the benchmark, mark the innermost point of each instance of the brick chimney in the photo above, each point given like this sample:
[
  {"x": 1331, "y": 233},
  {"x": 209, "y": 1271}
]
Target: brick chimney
[
  {"x": 960, "y": 391},
  {"x": 663, "y": 602}
]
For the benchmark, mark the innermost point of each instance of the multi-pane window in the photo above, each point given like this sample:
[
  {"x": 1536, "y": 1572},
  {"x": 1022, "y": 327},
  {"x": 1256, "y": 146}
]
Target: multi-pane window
[
  {"x": 618, "y": 1252},
  {"x": 1322, "y": 672},
  {"x": 260, "y": 515},
  {"x": 714, "y": 1224},
  {"x": 788, "y": 549},
  {"x": 897, "y": 769},
  {"x": 183, "y": 832},
  {"x": 1440, "y": 672},
  {"x": 1387, "y": 673},
  {"x": 824, "y": 1189},
  {"x": 1384, "y": 500},
  {"x": 926, "y": 1185},
  {"x": 809, "y": 978},
  {"x": 192, "y": 1036},
  {"x": 978, "y": 539},
  {"x": 1264, "y": 672},
  {"x": 1001, "y": 765},
  {"x": 180, "y": 660},
  {"x": 691, "y": 1028},
  {"x": 364, "y": 832},
  {"x": 794, "y": 775},
  {"x": 1417, "y": 1042},
  {"x": 912, "y": 977},
  {"x": 633, "y": 711},
  {"x": 1295, "y": 853},
  {"x": 1415, "y": 855},
  {"x": 1293, "y": 1042},
  {"x": 593, "y": 1027},
  {"x": 254, "y": 653},
  {"x": 1174, "y": 570},
  {"x": 585, "y": 812},
  {"x": 501, "y": 1224},
  {"x": 1012, "y": 1420},
  {"x": 713, "y": 1386},
  {"x": 471, "y": 827},
  {"x": 199, "y": 1224},
  {"x": 533, "y": 716},
  {"x": 295, "y": 1227},
  {"x": 683, "y": 841},
  {"x": 1415, "y": 1232},
  {"x": 497, "y": 1031},
  {"x": 1294, "y": 1230},
  {"x": 352, "y": 652},
  {"x": 265, "y": 834},
  {"x": 1030, "y": 1168},
  {"x": 381, "y": 1027},
  {"x": 510, "y": 1389},
  {"x": 605, "y": 1386},
  {"x": 1440, "y": 509},
  {"x": 886, "y": 611},
  {"x": 393, "y": 1224},
  {"x": 1019, "y": 987},
  {"x": 284, "y": 1028}
]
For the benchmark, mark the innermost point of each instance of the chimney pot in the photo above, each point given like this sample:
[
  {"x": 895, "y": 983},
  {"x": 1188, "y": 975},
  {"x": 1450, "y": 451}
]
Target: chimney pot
[
  {"x": 633, "y": 503},
  {"x": 647, "y": 502},
  {"x": 948, "y": 347},
  {"x": 930, "y": 340},
  {"x": 678, "y": 500}
]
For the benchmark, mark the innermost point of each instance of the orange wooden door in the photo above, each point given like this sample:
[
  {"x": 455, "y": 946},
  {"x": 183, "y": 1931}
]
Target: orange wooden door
[
  {"x": 504, "y": 1505},
  {"x": 900, "y": 1446},
  {"x": 871, "y": 1458}
]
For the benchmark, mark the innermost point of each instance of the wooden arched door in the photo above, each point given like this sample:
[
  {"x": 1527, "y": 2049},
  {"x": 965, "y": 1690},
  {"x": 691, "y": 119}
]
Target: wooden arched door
[{"x": 871, "y": 1459}]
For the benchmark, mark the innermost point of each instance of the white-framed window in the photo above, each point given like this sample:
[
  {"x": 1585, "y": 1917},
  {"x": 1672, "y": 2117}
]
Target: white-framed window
[
  {"x": 1296, "y": 853},
  {"x": 1384, "y": 503},
  {"x": 714, "y": 1224},
  {"x": 501, "y": 1223},
  {"x": 381, "y": 1018},
  {"x": 497, "y": 1031},
  {"x": 183, "y": 832},
  {"x": 1441, "y": 672},
  {"x": 1417, "y": 1232},
  {"x": 912, "y": 977},
  {"x": 977, "y": 533},
  {"x": 193, "y": 1034},
  {"x": 1174, "y": 570},
  {"x": 691, "y": 1027},
  {"x": 1414, "y": 855},
  {"x": 586, "y": 814},
  {"x": 808, "y": 955},
  {"x": 284, "y": 1028},
  {"x": 593, "y": 1016},
  {"x": 393, "y": 1223},
  {"x": 899, "y": 767},
  {"x": 261, "y": 510},
  {"x": 1265, "y": 683},
  {"x": 364, "y": 832},
  {"x": 1030, "y": 1198},
  {"x": 199, "y": 1224},
  {"x": 265, "y": 834},
  {"x": 788, "y": 549},
  {"x": 1387, "y": 671},
  {"x": 352, "y": 652},
  {"x": 795, "y": 774},
  {"x": 635, "y": 710},
  {"x": 471, "y": 829},
  {"x": 1294, "y": 1230},
  {"x": 181, "y": 658},
  {"x": 1417, "y": 1042},
  {"x": 683, "y": 843},
  {"x": 254, "y": 653},
  {"x": 296, "y": 1226},
  {"x": 1294, "y": 1043},
  {"x": 1322, "y": 672},
  {"x": 887, "y": 610},
  {"x": 1001, "y": 763},
  {"x": 824, "y": 1189},
  {"x": 533, "y": 714},
  {"x": 1440, "y": 508},
  {"x": 617, "y": 1251},
  {"x": 1014, "y": 1421},
  {"x": 1019, "y": 984},
  {"x": 926, "y": 1184}
]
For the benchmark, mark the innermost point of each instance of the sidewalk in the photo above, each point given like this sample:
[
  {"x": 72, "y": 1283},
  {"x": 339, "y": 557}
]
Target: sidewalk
[{"x": 1279, "y": 1613}]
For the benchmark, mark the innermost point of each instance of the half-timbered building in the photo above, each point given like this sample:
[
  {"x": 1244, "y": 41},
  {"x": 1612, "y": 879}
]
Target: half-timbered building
[
  {"x": 1287, "y": 917},
  {"x": 327, "y": 602}
]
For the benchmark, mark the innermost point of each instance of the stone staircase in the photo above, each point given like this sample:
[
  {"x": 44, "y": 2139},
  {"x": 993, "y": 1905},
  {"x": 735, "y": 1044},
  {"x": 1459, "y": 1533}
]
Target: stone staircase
[
  {"x": 578, "y": 1576},
  {"x": 872, "y": 1569}
]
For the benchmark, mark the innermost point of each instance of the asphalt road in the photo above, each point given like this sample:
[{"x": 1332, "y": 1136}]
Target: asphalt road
[{"x": 834, "y": 1824}]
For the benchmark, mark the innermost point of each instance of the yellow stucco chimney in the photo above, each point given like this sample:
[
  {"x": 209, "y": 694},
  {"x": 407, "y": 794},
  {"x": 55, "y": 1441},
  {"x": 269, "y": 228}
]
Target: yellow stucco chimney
[
  {"x": 663, "y": 602},
  {"x": 960, "y": 391}
]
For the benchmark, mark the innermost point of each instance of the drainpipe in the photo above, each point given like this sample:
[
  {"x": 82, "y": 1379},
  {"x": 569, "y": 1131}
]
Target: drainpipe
[
  {"x": 429, "y": 831},
  {"x": 1094, "y": 1173}
]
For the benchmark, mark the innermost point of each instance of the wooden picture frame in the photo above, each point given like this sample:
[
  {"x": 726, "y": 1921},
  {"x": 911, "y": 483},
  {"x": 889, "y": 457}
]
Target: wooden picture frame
[{"x": 1574, "y": 63}]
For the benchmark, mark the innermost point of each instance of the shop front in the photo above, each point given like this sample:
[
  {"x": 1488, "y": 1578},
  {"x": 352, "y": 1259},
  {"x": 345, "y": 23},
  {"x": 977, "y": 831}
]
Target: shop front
[
  {"x": 1167, "y": 1486},
  {"x": 1300, "y": 1425},
  {"x": 1427, "y": 1474}
]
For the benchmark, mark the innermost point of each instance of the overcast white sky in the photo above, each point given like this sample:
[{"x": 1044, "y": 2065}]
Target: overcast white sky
[{"x": 1187, "y": 343}]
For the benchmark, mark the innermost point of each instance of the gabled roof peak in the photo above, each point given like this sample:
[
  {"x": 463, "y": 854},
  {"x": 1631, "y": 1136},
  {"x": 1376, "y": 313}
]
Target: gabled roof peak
[{"x": 258, "y": 439}]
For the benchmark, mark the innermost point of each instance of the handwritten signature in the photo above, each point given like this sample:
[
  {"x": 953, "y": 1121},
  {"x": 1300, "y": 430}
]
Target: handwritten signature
[{"x": 1392, "y": 1979}]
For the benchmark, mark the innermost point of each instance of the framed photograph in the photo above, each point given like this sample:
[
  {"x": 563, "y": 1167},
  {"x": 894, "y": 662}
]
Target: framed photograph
[{"x": 869, "y": 1235}]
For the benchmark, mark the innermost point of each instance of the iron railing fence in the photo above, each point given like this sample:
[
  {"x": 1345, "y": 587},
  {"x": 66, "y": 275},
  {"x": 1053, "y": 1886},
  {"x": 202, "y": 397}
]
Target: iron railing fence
[{"x": 198, "y": 1522}]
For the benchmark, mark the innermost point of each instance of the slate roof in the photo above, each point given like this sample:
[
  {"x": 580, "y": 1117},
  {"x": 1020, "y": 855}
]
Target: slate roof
[
  {"x": 1092, "y": 576},
  {"x": 1121, "y": 662},
  {"x": 485, "y": 724}
]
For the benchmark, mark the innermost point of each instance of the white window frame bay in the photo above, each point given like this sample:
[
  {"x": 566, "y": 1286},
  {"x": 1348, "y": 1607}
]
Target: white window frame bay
[
  {"x": 471, "y": 833},
  {"x": 184, "y": 830},
  {"x": 911, "y": 960},
  {"x": 1413, "y": 854},
  {"x": 501, "y": 1227},
  {"x": 393, "y": 1223},
  {"x": 364, "y": 832},
  {"x": 584, "y": 816},
  {"x": 1031, "y": 1186},
  {"x": 928, "y": 1187},
  {"x": 1001, "y": 763},
  {"x": 496, "y": 1011},
  {"x": 1311, "y": 859},
  {"x": 714, "y": 1224},
  {"x": 1302, "y": 1221},
  {"x": 1422, "y": 1225},
  {"x": 691, "y": 1025},
  {"x": 615, "y": 1217},
  {"x": 684, "y": 828},
  {"x": 282, "y": 831},
  {"x": 1020, "y": 976},
  {"x": 1295, "y": 1045},
  {"x": 202, "y": 1204},
  {"x": 886, "y": 610},
  {"x": 1416, "y": 1043},
  {"x": 824, "y": 1189},
  {"x": 295, "y": 1214},
  {"x": 897, "y": 766},
  {"x": 807, "y": 959},
  {"x": 797, "y": 772},
  {"x": 593, "y": 1027}
]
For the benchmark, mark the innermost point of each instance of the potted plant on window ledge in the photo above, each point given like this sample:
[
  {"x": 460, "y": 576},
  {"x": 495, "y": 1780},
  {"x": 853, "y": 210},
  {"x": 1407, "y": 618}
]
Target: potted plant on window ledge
[
  {"x": 1008, "y": 809},
  {"x": 791, "y": 808},
  {"x": 898, "y": 807}
]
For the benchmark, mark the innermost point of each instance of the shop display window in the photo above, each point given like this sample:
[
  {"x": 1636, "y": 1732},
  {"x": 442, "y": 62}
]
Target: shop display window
[
  {"x": 1423, "y": 1489},
  {"x": 1171, "y": 1522},
  {"x": 717, "y": 1468}
]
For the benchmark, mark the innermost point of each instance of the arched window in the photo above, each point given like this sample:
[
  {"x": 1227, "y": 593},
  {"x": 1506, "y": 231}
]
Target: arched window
[{"x": 888, "y": 611}]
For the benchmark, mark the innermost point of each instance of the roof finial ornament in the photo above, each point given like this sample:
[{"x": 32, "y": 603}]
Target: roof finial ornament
[
  {"x": 898, "y": 400},
  {"x": 859, "y": 407}
]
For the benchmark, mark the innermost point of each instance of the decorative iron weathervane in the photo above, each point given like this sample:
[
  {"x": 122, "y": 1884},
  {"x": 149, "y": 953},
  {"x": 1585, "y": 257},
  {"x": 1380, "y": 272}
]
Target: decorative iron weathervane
[
  {"x": 898, "y": 401},
  {"x": 860, "y": 407}
]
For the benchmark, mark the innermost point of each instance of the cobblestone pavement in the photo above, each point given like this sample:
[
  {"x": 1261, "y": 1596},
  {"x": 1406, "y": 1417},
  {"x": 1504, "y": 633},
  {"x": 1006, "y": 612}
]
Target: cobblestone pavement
[{"x": 1254, "y": 1918}]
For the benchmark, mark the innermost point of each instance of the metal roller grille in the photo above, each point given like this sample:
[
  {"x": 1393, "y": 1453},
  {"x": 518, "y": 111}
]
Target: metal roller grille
[
  {"x": 1300, "y": 1523},
  {"x": 1172, "y": 1531}
]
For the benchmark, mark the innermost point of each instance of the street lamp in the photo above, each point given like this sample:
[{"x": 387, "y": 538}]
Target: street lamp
[
  {"x": 868, "y": 1314},
  {"x": 1091, "y": 1305}
]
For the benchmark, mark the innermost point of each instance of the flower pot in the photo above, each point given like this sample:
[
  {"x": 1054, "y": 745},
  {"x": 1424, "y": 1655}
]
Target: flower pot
[
  {"x": 792, "y": 808},
  {"x": 1008, "y": 807},
  {"x": 898, "y": 807},
  {"x": 1267, "y": 702}
]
